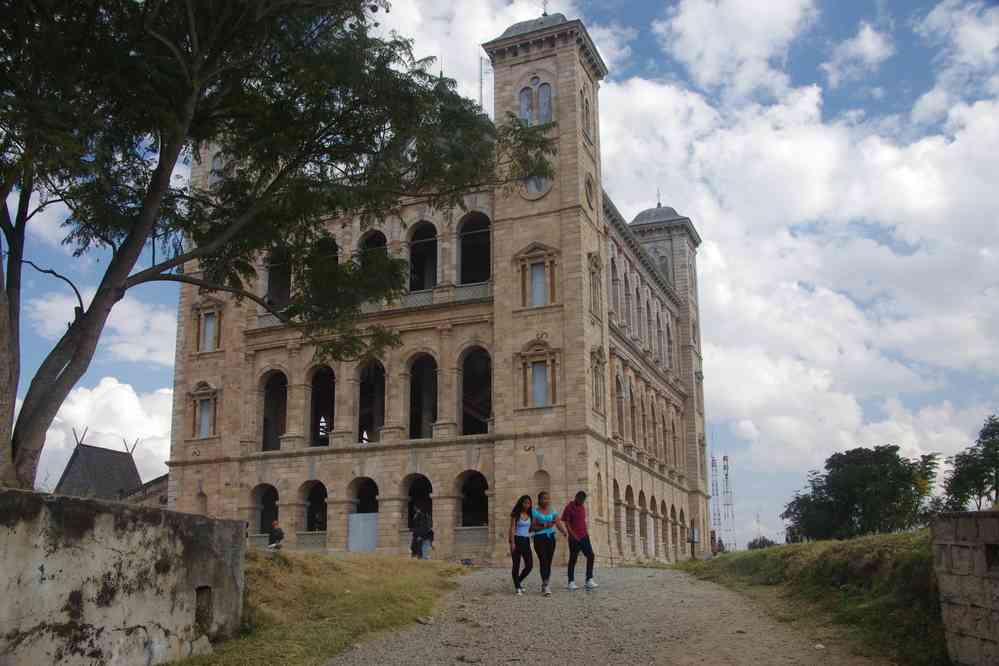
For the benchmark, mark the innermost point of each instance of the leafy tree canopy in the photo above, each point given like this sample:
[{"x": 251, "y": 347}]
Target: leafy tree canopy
[
  {"x": 862, "y": 491},
  {"x": 315, "y": 117},
  {"x": 973, "y": 478}
]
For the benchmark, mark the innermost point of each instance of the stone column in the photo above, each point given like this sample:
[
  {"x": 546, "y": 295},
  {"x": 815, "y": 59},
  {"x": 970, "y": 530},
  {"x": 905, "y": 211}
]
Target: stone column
[
  {"x": 336, "y": 523},
  {"x": 392, "y": 429},
  {"x": 448, "y": 399},
  {"x": 389, "y": 511},
  {"x": 345, "y": 414},
  {"x": 445, "y": 519},
  {"x": 292, "y": 517}
]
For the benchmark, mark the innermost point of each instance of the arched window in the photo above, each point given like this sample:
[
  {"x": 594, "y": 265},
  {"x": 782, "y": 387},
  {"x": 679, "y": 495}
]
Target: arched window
[
  {"x": 323, "y": 393},
  {"x": 278, "y": 279},
  {"x": 628, "y": 319},
  {"x": 374, "y": 242},
  {"x": 544, "y": 103},
  {"x": 638, "y": 314},
  {"x": 619, "y": 407},
  {"x": 419, "y": 490},
  {"x": 676, "y": 447},
  {"x": 601, "y": 509},
  {"x": 618, "y": 528},
  {"x": 472, "y": 487},
  {"x": 275, "y": 410},
  {"x": 265, "y": 503},
  {"x": 422, "y": 397},
  {"x": 474, "y": 254},
  {"x": 586, "y": 116},
  {"x": 476, "y": 392},
  {"x": 216, "y": 173},
  {"x": 314, "y": 496},
  {"x": 644, "y": 433},
  {"x": 371, "y": 402},
  {"x": 632, "y": 399},
  {"x": 527, "y": 105},
  {"x": 615, "y": 290},
  {"x": 423, "y": 257},
  {"x": 669, "y": 345},
  {"x": 365, "y": 493}
]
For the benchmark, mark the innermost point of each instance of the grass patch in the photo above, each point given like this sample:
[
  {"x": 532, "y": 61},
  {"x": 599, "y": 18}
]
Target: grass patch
[
  {"x": 304, "y": 609},
  {"x": 881, "y": 587}
]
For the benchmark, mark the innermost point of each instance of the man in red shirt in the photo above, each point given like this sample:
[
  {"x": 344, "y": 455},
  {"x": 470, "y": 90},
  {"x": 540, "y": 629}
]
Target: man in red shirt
[{"x": 574, "y": 519}]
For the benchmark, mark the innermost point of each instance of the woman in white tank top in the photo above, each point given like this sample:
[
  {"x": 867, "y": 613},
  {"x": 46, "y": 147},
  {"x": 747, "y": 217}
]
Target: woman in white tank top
[{"x": 520, "y": 541}]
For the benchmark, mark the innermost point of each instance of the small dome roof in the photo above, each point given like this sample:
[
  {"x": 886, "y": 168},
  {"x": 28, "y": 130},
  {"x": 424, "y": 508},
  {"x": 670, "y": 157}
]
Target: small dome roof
[
  {"x": 658, "y": 214},
  {"x": 525, "y": 27}
]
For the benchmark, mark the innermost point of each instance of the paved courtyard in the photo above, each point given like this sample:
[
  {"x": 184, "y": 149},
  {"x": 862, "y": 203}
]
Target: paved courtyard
[{"x": 637, "y": 616}]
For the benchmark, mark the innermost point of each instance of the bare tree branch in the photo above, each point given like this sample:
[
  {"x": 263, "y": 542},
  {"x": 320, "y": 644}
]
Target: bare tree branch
[
  {"x": 49, "y": 271},
  {"x": 211, "y": 286}
]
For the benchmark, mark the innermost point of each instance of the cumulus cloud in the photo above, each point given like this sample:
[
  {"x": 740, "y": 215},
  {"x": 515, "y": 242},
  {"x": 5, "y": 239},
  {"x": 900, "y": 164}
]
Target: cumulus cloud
[
  {"x": 110, "y": 412},
  {"x": 860, "y": 54},
  {"x": 736, "y": 45},
  {"x": 967, "y": 33},
  {"x": 136, "y": 331}
]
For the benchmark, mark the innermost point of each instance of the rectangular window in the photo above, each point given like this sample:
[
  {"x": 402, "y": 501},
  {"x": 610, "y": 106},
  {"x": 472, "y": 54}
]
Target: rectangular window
[
  {"x": 539, "y": 383},
  {"x": 206, "y": 416},
  {"x": 539, "y": 294},
  {"x": 209, "y": 331}
]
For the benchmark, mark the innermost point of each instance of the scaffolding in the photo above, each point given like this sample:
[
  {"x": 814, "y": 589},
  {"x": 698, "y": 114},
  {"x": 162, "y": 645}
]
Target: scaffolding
[{"x": 728, "y": 508}]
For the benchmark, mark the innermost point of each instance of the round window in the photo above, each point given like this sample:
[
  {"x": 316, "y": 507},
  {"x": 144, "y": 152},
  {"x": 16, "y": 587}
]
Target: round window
[{"x": 535, "y": 81}]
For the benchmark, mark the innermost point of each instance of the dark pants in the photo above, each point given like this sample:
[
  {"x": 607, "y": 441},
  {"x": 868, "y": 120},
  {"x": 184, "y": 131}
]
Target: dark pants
[
  {"x": 544, "y": 546},
  {"x": 521, "y": 551},
  {"x": 575, "y": 548}
]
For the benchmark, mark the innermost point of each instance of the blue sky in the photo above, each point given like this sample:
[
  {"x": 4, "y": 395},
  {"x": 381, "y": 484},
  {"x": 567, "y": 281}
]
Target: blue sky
[{"x": 837, "y": 159}]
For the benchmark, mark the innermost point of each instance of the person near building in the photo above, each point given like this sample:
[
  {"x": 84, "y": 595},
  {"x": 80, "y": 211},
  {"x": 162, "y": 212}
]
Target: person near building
[
  {"x": 574, "y": 519},
  {"x": 520, "y": 541},
  {"x": 545, "y": 521},
  {"x": 423, "y": 534},
  {"x": 275, "y": 537}
]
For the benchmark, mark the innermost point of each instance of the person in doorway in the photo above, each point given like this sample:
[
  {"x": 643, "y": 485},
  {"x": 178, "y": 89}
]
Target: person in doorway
[
  {"x": 520, "y": 541},
  {"x": 423, "y": 534},
  {"x": 275, "y": 537},
  {"x": 574, "y": 519},
  {"x": 545, "y": 521}
]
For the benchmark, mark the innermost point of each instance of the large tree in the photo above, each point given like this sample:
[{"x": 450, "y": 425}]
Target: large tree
[
  {"x": 315, "y": 117},
  {"x": 862, "y": 491},
  {"x": 973, "y": 478}
]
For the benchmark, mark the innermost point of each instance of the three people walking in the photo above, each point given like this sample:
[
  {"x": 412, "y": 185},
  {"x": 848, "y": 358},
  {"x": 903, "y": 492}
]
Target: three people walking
[{"x": 541, "y": 522}]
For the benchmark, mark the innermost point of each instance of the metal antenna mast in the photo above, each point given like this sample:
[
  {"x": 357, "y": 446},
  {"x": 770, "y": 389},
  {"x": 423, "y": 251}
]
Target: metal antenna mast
[
  {"x": 716, "y": 513},
  {"x": 728, "y": 506}
]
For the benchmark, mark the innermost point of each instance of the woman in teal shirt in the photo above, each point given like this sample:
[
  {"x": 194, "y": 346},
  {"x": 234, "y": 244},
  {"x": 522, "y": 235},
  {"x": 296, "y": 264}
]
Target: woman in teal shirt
[{"x": 546, "y": 521}]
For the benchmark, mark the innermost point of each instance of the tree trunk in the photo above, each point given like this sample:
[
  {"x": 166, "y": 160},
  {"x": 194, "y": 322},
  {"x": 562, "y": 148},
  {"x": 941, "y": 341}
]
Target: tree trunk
[
  {"x": 8, "y": 395},
  {"x": 69, "y": 359}
]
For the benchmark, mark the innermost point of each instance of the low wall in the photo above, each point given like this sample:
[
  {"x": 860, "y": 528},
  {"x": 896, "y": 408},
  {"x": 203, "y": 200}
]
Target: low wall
[
  {"x": 90, "y": 582},
  {"x": 966, "y": 562}
]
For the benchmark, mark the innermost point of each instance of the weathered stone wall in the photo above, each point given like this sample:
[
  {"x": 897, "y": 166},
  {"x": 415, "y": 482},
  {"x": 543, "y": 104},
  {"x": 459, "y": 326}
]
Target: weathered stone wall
[
  {"x": 966, "y": 561},
  {"x": 91, "y": 582}
]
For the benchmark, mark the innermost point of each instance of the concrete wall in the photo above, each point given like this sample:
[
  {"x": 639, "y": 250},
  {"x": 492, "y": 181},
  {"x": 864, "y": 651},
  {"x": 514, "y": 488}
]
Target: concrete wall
[
  {"x": 966, "y": 561},
  {"x": 91, "y": 582}
]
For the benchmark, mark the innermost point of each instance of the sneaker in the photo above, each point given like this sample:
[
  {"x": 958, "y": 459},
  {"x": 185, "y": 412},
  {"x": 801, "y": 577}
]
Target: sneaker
[
  {"x": 572, "y": 586},
  {"x": 520, "y": 591},
  {"x": 548, "y": 590},
  {"x": 591, "y": 584}
]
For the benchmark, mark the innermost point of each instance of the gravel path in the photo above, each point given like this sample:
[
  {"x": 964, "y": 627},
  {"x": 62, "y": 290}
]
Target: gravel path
[{"x": 637, "y": 616}]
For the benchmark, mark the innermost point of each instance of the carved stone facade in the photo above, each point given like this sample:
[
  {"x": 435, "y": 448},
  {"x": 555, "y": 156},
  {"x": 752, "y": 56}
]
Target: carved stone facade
[{"x": 547, "y": 345}]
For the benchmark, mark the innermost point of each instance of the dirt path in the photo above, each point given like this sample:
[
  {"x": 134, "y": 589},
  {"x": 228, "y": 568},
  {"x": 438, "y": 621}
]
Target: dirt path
[{"x": 637, "y": 616}]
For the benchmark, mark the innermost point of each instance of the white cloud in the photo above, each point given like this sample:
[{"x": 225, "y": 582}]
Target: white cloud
[
  {"x": 46, "y": 223},
  {"x": 738, "y": 45},
  {"x": 860, "y": 54},
  {"x": 110, "y": 412},
  {"x": 135, "y": 331},
  {"x": 614, "y": 43},
  {"x": 968, "y": 34}
]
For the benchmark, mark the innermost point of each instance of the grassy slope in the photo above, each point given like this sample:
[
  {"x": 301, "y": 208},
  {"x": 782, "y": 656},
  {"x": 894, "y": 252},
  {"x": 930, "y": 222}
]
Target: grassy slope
[
  {"x": 882, "y": 587},
  {"x": 304, "y": 609}
]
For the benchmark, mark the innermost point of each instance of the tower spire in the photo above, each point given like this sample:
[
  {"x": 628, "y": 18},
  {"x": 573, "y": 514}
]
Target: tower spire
[
  {"x": 544, "y": 7},
  {"x": 659, "y": 198}
]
